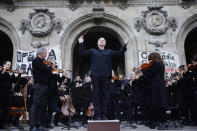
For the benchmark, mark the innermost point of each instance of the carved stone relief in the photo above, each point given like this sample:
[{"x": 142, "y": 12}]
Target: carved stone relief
[
  {"x": 11, "y": 5},
  {"x": 157, "y": 42},
  {"x": 41, "y": 23},
  {"x": 98, "y": 14},
  {"x": 38, "y": 44},
  {"x": 155, "y": 21}
]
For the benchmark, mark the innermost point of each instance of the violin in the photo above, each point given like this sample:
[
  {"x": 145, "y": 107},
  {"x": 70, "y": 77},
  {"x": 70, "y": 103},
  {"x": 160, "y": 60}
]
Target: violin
[
  {"x": 10, "y": 71},
  {"x": 115, "y": 77},
  {"x": 90, "y": 110},
  {"x": 57, "y": 71},
  {"x": 146, "y": 66},
  {"x": 17, "y": 111},
  {"x": 192, "y": 67},
  {"x": 1, "y": 68},
  {"x": 47, "y": 62}
]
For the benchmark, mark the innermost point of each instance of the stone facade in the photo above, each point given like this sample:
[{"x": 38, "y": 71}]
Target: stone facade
[{"x": 149, "y": 24}]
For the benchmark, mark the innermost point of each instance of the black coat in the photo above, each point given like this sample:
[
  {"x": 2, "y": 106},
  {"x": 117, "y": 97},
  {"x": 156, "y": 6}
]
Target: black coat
[
  {"x": 138, "y": 92},
  {"x": 101, "y": 60},
  {"x": 156, "y": 85},
  {"x": 87, "y": 92},
  {"x": 6, "y": 81},
  {"x": 41, "y": 72},
  {"x": 186, "y": 82},
  {"x": 54, "y": 78}
]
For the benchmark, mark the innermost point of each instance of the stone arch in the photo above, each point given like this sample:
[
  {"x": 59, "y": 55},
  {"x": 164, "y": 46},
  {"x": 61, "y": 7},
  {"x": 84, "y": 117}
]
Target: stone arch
[
  {"x": 187, "y": 26},
  {"x": 75, "y": 29},
  {"x": 10, "y": 31}
]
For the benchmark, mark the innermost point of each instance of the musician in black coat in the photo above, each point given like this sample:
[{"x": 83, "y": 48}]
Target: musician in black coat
[
  {"x": 41, "y": 75},
  {"x": 6, "y": 80},
  {"x": 62, "y": 91},
  {"x": 101, "y": 68},
  {"x": 114, "y": 95},
  {"x": 53, "y": 94},
  {"x": 156, "y": 89}
]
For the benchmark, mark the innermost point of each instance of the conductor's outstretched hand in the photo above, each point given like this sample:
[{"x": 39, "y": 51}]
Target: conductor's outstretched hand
[
  {"x": 81, "y": 39},
  {"x": 127, "y": 41}
]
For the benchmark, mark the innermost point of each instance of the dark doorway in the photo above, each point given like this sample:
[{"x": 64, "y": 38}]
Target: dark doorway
[
  {"x": 191, "y": 45},
  {"x": 82, "y": 66},
  {"x": 6, "y": 50}
]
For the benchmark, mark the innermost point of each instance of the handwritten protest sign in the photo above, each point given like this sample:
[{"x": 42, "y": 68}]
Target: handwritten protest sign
[
  {"x": 171, "y": 60},
  {"x": 25, "y": 58}
]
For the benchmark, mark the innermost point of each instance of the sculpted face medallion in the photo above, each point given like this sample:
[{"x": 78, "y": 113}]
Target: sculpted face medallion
[
  {"x": 155, "y": 21},
  {"x": 41, "y": 23}
]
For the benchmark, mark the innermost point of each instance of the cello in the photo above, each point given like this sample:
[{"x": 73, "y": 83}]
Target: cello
[{"x": 67, "y": 108}]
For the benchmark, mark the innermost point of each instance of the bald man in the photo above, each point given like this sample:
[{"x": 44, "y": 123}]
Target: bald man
[{"x": 101, "y": 72}]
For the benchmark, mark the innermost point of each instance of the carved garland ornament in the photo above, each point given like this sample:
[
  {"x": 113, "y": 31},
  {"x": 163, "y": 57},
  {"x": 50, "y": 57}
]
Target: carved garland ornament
[
  {"x": 155, "y": 21},
  {"x": 41, "y": 23}
]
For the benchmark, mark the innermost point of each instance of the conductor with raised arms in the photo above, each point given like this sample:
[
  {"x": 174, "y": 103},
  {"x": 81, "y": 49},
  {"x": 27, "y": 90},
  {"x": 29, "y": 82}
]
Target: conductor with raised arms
[{"x": 101, "y": 72}]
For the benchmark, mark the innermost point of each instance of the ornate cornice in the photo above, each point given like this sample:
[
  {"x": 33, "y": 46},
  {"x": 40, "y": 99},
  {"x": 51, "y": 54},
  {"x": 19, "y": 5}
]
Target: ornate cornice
[{"x": 74, "y": 4}]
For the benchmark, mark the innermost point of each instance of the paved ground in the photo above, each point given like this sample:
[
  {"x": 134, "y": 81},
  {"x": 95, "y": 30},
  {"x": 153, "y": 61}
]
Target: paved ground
[{"x": 139, "y": 128}]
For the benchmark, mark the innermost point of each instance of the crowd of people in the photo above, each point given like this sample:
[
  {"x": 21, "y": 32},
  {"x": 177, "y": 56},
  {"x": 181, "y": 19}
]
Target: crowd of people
[{"x": 145, "y": 98}]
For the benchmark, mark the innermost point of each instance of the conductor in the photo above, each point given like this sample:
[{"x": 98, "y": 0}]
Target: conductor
[{"x": 101, "y": 72}]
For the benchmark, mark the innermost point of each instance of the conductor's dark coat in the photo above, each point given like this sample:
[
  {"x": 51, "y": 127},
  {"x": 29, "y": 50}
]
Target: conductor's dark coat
[
  {"x": 101, "y": 60},
  {"x": 156, "y": 85}
]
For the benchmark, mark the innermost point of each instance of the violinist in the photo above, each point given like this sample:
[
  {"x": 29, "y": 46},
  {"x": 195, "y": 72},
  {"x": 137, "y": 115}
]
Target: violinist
[
  {"x": 114, "y": 93},
  {"x": 194, "y": 99},
  {"x": 156, "y": 94},
  {"x": 194, "y": 93},
  {"x": 67, "y": 81},
  {"x": 41, "y": 75},
  {"x": 185, "y": 88},
  {"x": 88, "y": 104},
  {"x": 78, "y": 96},
  {"x": 6, "y": 80},
  {"x": 53, "y": 92},
  {"x": 138, "y": 95},
  {"x": 188, "y": 83}
]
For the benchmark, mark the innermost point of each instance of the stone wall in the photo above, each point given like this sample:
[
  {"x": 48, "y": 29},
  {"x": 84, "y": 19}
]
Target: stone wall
[{"x": 33, "y": 24}]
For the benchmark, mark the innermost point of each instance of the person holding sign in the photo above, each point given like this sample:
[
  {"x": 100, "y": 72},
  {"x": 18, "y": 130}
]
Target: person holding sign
[{"x": 101, "y": 68}]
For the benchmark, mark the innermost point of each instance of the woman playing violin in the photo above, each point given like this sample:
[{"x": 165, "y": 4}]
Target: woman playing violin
[
  {"x": 155, "y": 89},
  {"x": 6, "y": 80}
]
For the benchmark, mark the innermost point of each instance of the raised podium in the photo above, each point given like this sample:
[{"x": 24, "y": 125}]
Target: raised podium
[{"x": 103, "y": 125}]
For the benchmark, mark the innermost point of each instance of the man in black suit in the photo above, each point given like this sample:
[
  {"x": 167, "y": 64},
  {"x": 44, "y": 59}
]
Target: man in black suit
[
  {"x": 101, "y": 72},
  {"x": 41, "y": 74}
]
